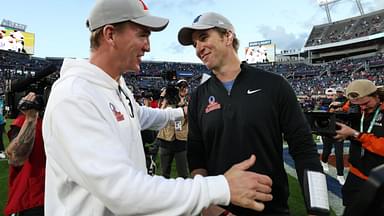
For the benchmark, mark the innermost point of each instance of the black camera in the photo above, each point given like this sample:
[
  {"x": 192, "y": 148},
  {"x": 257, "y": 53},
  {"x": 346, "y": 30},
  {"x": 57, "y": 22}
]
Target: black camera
[
  {"x": 172, "y": 94},
  {"x": 324, "y": 123},
  {"x": 37, "y": 104}
]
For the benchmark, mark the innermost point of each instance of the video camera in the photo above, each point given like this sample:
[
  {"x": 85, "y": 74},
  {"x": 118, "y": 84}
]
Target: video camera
[
  {"x": 172, "y": 94},
  {"x": 37, "y": 104},
  {"x": 323, "y": 123},
  {"x": 40, "y": 82}
]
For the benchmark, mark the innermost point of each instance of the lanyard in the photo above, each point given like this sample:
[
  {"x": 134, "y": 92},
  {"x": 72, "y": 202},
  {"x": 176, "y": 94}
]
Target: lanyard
[
  {"x": 120, "y": 90},
  {"x": 372, "y": 121}
]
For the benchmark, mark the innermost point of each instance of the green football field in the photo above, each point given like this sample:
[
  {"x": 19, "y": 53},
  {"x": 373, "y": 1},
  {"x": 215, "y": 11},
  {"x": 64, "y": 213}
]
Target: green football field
[{"x": 4, "y": 175}]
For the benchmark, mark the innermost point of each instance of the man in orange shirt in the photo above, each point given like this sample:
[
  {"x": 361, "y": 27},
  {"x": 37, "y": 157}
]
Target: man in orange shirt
[{"x": 366, "y": 149}]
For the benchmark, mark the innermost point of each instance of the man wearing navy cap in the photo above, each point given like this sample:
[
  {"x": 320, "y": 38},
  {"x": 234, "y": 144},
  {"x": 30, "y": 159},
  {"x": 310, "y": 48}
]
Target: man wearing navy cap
[{"x": 241, "y": 111}]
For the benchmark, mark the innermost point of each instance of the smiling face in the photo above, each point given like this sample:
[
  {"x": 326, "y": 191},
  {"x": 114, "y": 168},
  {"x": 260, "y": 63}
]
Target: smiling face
[
  {"x": 211, "y": 47},
  {"x": 118, "y": 48},
  {"x": 131, "y": 43}
]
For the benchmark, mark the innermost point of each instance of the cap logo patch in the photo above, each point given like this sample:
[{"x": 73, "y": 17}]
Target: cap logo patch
[
  {"x": 145, "y": 7},
  {"x": 196, "y": 19}
]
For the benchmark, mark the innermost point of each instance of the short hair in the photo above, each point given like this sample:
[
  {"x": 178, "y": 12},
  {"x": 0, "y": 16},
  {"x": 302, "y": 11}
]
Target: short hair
[
  {"x": 236, "y": 42},
  {"x": 97, "y": 34}
]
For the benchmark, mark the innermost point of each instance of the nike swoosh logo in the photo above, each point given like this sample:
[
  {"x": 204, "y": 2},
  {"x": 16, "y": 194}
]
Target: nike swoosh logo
[{"x": 253, "y": 91}]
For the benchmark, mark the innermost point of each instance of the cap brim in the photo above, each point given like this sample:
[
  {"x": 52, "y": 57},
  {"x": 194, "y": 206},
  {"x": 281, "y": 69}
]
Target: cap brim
[
  {"x": 154, "y": 23},
  {"x": 185, "y": 33}
]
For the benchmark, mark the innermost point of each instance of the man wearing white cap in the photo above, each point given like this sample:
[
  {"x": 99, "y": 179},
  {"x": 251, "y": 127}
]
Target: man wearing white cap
[
  {"x": 366, "y": 149},
  {"x": 241, "y": 111},
  {"x": 95, "y": 157}
]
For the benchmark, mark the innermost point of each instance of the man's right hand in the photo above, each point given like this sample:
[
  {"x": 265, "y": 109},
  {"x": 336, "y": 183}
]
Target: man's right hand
[{"x": 248, "y": 189}]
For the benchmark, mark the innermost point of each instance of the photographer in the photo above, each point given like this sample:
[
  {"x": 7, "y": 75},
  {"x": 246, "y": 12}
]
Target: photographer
[
  {"x": 334, "y": 102},
  {"x": 366, "y": 149},
  {"x": 173, "y": 138},
  {"x": 148, "y": 136},
  {"x": 340, "y": 100},
  {"x": 26, "y": 158}
]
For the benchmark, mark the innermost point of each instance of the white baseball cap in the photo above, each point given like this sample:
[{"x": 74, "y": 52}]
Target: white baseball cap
[
  {"x": 330, "y": 91},
  {"x": 115, "y": 11}
]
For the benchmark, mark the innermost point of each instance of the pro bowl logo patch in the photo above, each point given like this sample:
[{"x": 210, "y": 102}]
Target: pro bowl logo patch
[
  {"x": 212, "y": 105},
  {"x": 118, "y": 115}
]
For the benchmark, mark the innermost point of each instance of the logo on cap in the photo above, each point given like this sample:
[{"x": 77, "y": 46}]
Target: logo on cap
[
  {"x": 144, "y": 5},
  {"x": 196, "y": 19}
]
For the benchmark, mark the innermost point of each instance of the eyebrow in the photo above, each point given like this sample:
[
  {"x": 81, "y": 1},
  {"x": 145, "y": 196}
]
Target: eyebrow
[
  {"x": 145, "y": 31},
  {"x": 200, "y": 33}
]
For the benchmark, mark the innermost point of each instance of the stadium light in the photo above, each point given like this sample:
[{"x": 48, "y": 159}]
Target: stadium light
[{"x": 324, "y": 2}]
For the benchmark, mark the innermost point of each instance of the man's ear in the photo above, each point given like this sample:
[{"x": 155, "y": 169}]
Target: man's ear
[
  {"x": 230, "y": 37},
  {"x": 230, "y": 34},
  {"x": 108, "y": 33}
]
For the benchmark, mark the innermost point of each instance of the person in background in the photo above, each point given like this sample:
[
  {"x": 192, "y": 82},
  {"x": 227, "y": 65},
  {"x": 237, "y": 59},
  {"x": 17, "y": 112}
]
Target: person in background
[
  {"x": 241, "y": 110},
  {"x": 339, "y": 101},
  {"x": 91, "y": 128},
  {"x": 183, "y": 87},
  {"x": 149, "y": 136},
  {"x": 173, "y": 137},
  {"x": 2, "y": 126},
  {"x": 335, "y": 101},
  {"x": 27, "y": 160},
  {"x": 366, "y": 148},
  {"x": 329, "y": 98}
]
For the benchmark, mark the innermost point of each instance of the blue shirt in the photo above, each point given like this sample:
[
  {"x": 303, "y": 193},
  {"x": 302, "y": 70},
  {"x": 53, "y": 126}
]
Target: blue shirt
[{"x": 228, "y": 85}]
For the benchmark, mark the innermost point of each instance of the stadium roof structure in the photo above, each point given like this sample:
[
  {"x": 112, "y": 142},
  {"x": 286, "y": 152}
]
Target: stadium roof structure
[{"x": 355, "y": 35}]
